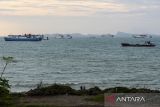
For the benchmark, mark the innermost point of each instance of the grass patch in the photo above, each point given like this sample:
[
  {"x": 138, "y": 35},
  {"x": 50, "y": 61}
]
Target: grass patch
[{"x": 97, "y": 98}]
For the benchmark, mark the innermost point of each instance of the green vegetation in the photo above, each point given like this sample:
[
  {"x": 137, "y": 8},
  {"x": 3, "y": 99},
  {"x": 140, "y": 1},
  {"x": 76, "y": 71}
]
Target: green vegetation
[
  {"x": 5, "y": 97},
  {"x": 51, "y": 90},
  {"x": 4, "y": 92},
  {"x": 56, "y": 89}
]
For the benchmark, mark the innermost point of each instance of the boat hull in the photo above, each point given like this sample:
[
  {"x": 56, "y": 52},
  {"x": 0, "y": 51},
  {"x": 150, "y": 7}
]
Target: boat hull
[
  {"x": 22, "y": 39},
  {"x": 137, "y": 45}
]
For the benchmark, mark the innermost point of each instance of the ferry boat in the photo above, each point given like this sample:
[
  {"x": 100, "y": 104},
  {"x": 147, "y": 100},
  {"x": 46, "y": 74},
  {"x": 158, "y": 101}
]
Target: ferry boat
[{"x": 25, "y": 37}]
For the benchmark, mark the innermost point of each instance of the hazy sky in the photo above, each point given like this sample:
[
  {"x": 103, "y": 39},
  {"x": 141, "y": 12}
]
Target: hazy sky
[{"x": 79, "y": 16}]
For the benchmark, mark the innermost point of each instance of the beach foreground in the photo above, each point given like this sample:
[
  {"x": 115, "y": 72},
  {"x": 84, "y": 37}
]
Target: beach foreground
[
  {"x": 67, "y": 101},
  {"x": 59, "y": 101},
  {"x": 64, "y": 96}
]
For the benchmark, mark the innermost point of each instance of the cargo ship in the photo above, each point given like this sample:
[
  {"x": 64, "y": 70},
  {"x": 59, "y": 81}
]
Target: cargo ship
[{"x": 146, "y": 44}]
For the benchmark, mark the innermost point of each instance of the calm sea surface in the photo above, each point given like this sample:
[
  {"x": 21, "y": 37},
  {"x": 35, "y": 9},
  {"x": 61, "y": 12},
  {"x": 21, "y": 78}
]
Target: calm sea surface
[{"x": 82, "y": 61}]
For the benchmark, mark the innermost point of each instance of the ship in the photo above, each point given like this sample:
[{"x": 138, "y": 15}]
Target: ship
[
  {"x": 25, "y": 37},
  {"x": 146, "y": 44}
]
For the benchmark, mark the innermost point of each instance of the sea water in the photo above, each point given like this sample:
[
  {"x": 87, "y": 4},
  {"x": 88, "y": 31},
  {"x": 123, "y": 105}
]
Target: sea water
[{"x": 81, "y": 61}]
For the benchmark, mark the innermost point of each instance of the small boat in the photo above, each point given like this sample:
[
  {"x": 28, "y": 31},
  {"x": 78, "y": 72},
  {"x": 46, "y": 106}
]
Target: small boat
[
  {"x": 146, "y": 44},
  {"x": 25, "y": 37}
]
